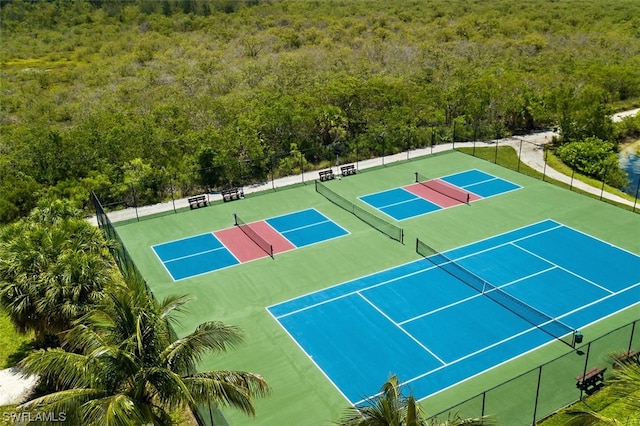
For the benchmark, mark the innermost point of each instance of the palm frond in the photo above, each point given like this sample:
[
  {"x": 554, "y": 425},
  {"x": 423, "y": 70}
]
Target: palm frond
[
  {"x": 116, "y": 410},
  {"x": 168, "y": 388},
  {"x": 68, "y": 401},
  {"x": 589, "y": 418},
  {"x": 228, "y": 388},
  {"x": 70, "y": 370},
  {"x": 182, "y": 355}
]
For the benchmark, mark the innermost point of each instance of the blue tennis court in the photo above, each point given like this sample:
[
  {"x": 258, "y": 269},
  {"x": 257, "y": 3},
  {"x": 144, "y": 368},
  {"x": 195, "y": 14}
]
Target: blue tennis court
[
  {"x": 415, "y": 200},
  {"x": 201, "y": 254},
  {"x": 423, "y": 323}
]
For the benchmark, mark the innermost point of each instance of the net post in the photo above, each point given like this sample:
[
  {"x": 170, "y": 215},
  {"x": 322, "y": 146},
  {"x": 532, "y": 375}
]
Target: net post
[
  {"x": 416, "y": 175},
  {"x": 417, "y": 244},
  {"x": 235, "y": 219}
]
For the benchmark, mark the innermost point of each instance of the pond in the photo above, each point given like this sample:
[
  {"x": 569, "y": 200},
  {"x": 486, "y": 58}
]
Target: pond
[{"x": 630, "y": 162}]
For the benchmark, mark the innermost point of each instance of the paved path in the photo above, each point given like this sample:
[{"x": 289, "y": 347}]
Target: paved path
[{"x": 529, "y": 147}]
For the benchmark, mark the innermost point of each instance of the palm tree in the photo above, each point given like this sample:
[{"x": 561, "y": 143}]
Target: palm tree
[
  {"x": 392, "y": 408},
  {"x": 123, "y": 364},
  {"x": 54, "y": 266}
]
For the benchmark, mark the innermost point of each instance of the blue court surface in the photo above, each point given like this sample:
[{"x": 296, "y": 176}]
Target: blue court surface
[
  {"x": 480, "y": 183},
  {"x": 402, "y": 203},
  {"x": 433, "y": 330},
  {"x": 306, "y": 227},
  {"x": 201, "y": 254}
]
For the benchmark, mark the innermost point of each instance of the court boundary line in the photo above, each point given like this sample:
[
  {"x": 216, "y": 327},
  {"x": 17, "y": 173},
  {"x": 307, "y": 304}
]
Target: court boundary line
[
  {"x": 341, "y": 296},
  {"x": 493, "y": 177},
  {"x": 409, "y": 263},
  {"x": 512, "y": 242},
  {"x": 551, "y": 341},
  {"x": 310, "y": 358},
  {"x": 388, "y": 318},
  {"x": 197, "y": 254},
  {"x": 565, "y": 269},
  {"x": 415, "y": 197},
  {"x": 222, "y": 246},
  {"x": 417, "y": 215},
  {"x": 483, "y": 349}
]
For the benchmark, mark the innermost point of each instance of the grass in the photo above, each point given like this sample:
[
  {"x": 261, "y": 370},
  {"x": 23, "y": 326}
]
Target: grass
[
  {"x": 13, "y": 345},
  {"x": 602, "y": 402}
]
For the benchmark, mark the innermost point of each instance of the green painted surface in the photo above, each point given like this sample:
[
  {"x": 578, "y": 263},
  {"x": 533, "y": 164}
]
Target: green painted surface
[{"x": 302, "y": 395}]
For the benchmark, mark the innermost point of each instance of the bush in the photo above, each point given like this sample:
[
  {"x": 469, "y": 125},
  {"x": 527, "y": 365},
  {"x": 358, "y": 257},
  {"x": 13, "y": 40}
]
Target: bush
[{"x": 596, "y": 158}]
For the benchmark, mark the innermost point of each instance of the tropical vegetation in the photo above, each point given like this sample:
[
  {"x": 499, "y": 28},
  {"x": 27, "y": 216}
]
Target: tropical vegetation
[
  {"x": 183, "y": 95},
  {"x": 618, "y": 403},
  {"x": 123, "y": 364},
  {"x": 393, "y": 407},
  {"x": 108, "y": 352},
  {"x": 54, "y": 268}
]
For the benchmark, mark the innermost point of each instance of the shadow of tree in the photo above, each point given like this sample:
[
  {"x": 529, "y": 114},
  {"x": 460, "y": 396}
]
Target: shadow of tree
[{"x": 20, "y": 353}]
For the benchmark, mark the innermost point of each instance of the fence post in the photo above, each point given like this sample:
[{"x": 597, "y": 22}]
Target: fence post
[
  {"x": 604, "y": 178},
  {"x": 173, "y": 195},
  {"x": 535, "y": 406},
  {"x": 135, "y": 201},
  {"x": 586, "y": 365},
  {"x": 633, "y": 329},
  {"x": 635, "y": 203},
  {"x": 573, "y": 172},
  {"x": 544, "y": 170},
  {"x": 519, "y": 155}
]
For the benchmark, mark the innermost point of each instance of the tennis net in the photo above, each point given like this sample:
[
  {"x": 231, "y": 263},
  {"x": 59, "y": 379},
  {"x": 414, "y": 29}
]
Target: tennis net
[
  {"x": 443, "y": 188},
  {"x": 372, "y": 220},
  {"x": 549, "y": 325},
  {"x": 253, "y": 235}
]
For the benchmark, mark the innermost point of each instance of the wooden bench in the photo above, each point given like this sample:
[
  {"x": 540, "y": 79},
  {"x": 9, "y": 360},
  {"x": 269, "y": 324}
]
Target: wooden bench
[
  {"x": 347, "y": 170},
  {"x": 626, "y": 358},
  {"x": 326, "y": 175},
  {"x": 591, "y": 381},
  {"x": 231, "y": 194},
  {"x": 197, "y": 202}
]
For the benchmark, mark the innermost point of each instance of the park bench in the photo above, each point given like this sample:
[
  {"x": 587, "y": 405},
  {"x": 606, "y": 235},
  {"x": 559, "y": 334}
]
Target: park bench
[
  {"x": 591, "y": 381},
  {"x": 626, "y": 358},
  {"x": 197, "y": 202},
  {"x": 347, "y": 170},
  {"x": 326, "y": 175},
  {"x": 231, "y": 194}
]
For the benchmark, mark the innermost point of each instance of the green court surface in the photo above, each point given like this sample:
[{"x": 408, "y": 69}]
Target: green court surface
[{"x": 239, "y": 295}]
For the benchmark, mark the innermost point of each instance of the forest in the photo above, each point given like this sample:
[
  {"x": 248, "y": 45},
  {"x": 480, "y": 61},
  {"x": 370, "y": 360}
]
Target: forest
[{"x": 103, "y": 94}]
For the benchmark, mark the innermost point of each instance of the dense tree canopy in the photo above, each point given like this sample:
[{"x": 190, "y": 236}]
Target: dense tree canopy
[{"x": 96, "y": 93}]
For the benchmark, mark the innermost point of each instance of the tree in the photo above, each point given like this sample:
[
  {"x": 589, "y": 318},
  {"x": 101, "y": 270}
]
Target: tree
[
  {"x": 123, "y": 364},
  {"x": 54, "y": 267},
  {"x": 392, "y": 408}
]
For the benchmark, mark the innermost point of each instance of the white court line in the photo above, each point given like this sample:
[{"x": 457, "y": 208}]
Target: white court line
[{"x": 402, "y": 329}]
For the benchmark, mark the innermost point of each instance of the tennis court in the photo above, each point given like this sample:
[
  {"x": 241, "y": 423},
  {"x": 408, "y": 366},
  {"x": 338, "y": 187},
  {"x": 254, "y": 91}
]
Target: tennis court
[
  {"x": 200, "y": 254},
  {"x": 435, "y": 324},
  {"x": 348, "y": 348},
  {"x": 430, "y": 195}
]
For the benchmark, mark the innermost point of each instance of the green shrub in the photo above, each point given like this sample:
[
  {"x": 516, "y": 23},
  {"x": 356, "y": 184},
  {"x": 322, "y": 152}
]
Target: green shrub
[{"x": 596, "y": 158}]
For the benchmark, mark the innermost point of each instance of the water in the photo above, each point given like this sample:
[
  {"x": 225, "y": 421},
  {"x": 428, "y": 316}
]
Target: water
[{"x": 630, "y": 162}]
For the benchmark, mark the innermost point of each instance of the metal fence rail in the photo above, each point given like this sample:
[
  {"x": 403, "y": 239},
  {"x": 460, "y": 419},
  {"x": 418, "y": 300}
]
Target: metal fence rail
[{"x": 542, "y": 391}]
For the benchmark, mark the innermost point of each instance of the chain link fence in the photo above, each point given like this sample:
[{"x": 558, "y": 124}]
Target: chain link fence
[{"x": 542, "y": 391}]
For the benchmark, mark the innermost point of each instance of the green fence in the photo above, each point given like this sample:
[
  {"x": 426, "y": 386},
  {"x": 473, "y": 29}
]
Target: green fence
[
  {"x": 538, "y": 393},
  {"x": 208, "y": 415}
]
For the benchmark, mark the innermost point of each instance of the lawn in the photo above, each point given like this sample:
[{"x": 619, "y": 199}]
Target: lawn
[{"x": 13, "y": 345}]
